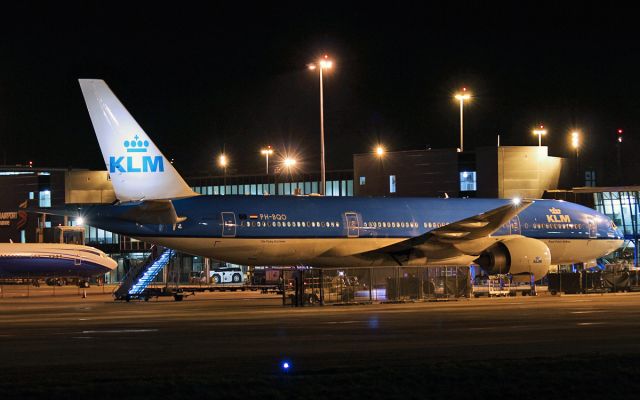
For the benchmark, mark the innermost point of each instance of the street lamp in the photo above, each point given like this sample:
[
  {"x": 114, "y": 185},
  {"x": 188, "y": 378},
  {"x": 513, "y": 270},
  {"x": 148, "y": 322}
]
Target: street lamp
[
  {"x": 575, "y": 143},
  {"x": 267, "y": 152},
  {"x": 380, "y": 151},
  {"x": 540, "y": 131},
  {"x": 222, "y": 162},
  {"x": 289, "y": 163},
  {"x": 461, "y": 97},
  {"x": 322, "y": 64}
]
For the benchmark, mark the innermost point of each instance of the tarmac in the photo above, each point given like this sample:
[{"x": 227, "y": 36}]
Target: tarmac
[{"x": 234, "y": 344}]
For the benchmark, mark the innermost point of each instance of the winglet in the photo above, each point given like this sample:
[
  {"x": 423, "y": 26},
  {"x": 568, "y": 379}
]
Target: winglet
[{"x": 138, "y": 170}]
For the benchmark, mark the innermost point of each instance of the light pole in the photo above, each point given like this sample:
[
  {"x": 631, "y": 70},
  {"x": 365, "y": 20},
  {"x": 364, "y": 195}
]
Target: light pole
[
  {"x": 322, "y": 64},
  {"x": 619, "y": 154},
  {"x": 289, "y": 163},
  {"x": 540, "y": 131},
  {"x": 575, "y": 143},
  {"x": 267, "y": 152},
  {"x": 461, "y": 97},
  {"x": 222, "y": 162}
]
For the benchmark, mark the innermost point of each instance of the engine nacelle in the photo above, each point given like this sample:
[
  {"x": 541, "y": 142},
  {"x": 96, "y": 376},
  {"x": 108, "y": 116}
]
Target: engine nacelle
[{"x": 519, "y": 255}]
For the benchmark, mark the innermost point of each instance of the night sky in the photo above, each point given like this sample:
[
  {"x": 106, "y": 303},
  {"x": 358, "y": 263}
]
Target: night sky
[{"x": 202, "y": 79}]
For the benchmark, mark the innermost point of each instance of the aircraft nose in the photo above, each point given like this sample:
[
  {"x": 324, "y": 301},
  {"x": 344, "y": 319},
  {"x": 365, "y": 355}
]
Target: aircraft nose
[
  {"x": 112, "y": 263},
  {"x": 617, "y": 232}
]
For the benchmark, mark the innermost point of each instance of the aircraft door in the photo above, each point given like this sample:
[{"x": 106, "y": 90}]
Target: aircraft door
[
  {"x": 228, "y": 224},
  {"x": 353, "y": 229},
  {"x": 593, "y": 229},
  {"x": 515, "y": 225}
]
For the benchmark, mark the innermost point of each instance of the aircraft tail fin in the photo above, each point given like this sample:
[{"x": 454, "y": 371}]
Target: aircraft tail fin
[{"x": 138, "y": 170}]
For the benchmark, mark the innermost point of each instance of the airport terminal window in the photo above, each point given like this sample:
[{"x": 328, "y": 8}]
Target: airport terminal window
[
  {"x": 622, "y": 208},
  {"x": 328, "y": 189},
  {"x": 363, "y": 180},
  {"x": 336, "y": 188},
  {"x": 392, "y": 183},
  {"x": 350, "y": 187},
  {"x": 590, "y": 178},
  {"x": 44, "y": 198},
  {"x": 468, "y": 181}
]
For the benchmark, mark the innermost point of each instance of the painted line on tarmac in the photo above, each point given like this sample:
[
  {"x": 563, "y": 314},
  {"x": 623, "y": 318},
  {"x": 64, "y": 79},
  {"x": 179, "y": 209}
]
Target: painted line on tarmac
[
  {"x": 121, "y": 331},
  {"x": 590, "y": 323},
  {"x": 587, "y": 311},
  {"x": 343, "y": 322}
]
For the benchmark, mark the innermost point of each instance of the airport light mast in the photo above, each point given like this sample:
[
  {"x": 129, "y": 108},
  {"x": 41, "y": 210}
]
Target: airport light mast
[
  {"x": 540, "y": 131},
  {"x": 267, "y": 152},
  {"x": 461, "y": 97},
  {"x": 222, "y": 162},
  {"x": 619, "y": 133},
  {"x": 575, "y": 143},
  {"x": 322, "y": 64}
]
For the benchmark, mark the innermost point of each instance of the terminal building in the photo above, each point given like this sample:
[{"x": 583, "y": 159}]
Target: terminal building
[{"x": 506, "y": 172}]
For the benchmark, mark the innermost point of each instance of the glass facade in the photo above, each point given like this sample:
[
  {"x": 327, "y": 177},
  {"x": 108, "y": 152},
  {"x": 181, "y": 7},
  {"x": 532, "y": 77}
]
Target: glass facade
[
  {"x": 622, "y": 208},
  {"x": 342, "y": 187}
]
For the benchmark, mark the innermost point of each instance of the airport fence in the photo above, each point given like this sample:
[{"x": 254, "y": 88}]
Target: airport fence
[{"x": 306, "y": 286}]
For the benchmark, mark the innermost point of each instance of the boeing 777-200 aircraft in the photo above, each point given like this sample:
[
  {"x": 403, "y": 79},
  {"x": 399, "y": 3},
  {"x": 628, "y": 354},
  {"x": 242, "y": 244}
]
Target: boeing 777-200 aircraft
[{"x": 156, "y": 205}]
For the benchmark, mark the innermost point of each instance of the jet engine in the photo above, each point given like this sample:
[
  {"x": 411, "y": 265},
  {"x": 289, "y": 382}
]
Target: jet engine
[{"x": 519, "y": 255}]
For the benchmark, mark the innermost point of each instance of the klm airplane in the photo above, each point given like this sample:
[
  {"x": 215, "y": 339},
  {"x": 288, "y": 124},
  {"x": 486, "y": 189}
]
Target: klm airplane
[{"x": 157, "y": 206}]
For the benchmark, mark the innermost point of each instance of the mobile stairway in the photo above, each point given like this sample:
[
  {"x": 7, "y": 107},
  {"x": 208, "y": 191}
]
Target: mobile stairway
[{"x": 135, "y": 283}]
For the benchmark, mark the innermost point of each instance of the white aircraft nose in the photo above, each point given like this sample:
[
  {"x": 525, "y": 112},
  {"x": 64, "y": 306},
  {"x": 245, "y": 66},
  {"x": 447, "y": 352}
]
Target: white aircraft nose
[{"x": 111, "y": 263}]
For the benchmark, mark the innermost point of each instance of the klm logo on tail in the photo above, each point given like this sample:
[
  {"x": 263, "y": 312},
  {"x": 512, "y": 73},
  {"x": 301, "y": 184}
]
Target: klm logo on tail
[{"x": 133, "y": 163}]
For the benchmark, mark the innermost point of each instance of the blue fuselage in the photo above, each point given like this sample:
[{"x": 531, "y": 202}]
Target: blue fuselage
[{"x": 354, "y": 217}]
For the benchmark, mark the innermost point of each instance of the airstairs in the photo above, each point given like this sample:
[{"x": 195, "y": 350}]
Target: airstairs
[{"x": 138, "y": 278}]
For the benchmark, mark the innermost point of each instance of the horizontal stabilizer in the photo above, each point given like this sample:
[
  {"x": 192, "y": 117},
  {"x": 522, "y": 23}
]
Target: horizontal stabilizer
[{"x": 159, "y": 212}]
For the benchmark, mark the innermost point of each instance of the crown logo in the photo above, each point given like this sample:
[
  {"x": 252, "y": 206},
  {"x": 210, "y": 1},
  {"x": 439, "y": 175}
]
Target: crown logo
[
  {"x": 136, "y": 145},
  {"x": 555, "y": 211}
]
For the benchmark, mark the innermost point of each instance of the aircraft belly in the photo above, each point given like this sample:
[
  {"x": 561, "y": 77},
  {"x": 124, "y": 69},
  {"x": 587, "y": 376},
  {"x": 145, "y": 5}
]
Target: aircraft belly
[{"x": 276, "y": 251}]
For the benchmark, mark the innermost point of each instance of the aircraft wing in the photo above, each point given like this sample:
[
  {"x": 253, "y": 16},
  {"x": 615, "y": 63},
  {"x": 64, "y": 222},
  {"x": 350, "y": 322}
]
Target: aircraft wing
[{"x": 467, "y": 236}]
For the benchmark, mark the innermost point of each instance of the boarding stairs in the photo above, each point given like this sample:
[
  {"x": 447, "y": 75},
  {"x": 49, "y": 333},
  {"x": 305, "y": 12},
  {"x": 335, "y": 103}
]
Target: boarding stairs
[{"x": 138, "y": 278}]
